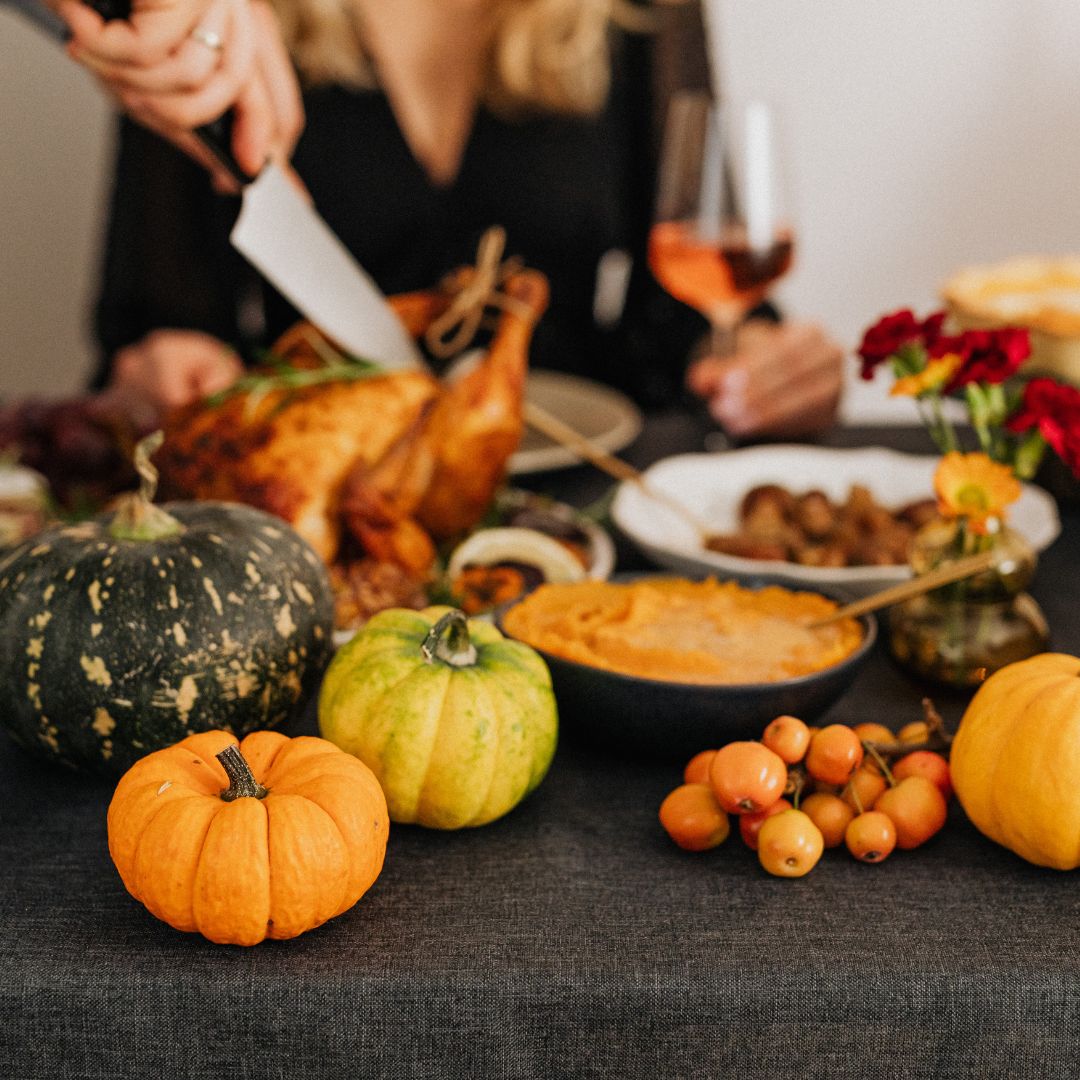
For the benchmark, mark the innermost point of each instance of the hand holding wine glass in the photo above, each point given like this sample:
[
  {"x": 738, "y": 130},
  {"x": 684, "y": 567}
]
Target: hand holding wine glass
[{"x": 722, "y": 233}]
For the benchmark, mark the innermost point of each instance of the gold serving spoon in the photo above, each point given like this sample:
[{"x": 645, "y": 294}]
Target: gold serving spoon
[{"x": 916, "y": 586}]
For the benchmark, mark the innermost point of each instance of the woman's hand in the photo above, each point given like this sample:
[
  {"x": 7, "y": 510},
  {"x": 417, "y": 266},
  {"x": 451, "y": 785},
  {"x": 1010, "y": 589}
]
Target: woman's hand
[
  {"x": 167, "y": 369},
  {"x": 784, "y": 380},
  {"x": 178, "y": 64}
]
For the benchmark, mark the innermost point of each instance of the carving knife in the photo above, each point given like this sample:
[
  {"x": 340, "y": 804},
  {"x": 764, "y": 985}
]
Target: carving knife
[{"x": 283, "y": 236}]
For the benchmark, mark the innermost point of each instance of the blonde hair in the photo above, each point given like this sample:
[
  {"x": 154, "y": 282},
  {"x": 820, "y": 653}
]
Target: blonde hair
[{"x": 546, "y": 55}]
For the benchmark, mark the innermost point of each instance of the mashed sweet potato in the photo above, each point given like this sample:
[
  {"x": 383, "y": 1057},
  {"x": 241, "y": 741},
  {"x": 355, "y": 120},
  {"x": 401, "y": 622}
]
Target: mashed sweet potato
[{"x": 684, "y": 631}]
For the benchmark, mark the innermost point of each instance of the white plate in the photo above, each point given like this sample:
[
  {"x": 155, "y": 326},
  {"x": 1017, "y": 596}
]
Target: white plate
[
  {"x": 606, "y": 416},
  {"x": 713, "y": 485}
]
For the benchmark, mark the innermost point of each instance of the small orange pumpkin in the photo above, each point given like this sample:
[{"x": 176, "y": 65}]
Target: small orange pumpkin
[
  {"x": 266, "y": 838},
  {"x": 1015, "y": 760}
]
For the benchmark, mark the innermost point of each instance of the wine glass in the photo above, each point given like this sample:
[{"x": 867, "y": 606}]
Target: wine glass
[{"x": 722, "y": 233}]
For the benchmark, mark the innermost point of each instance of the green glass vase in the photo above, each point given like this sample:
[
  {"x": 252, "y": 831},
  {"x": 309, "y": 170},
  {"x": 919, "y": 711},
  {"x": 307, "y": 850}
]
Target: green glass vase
[{"x": 961, "y": 633}]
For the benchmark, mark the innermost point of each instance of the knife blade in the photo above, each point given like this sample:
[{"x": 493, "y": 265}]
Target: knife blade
[
  {"x": 288, "y": 242},
  {"x": 285, "y": 238}
]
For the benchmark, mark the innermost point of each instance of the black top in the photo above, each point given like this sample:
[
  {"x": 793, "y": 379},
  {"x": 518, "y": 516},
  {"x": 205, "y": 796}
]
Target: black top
[{"x": 566, "y": 189}]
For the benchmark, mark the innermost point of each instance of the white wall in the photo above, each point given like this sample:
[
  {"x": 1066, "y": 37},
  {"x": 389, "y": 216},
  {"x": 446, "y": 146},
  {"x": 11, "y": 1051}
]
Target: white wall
[
  {"x": 928, "y": 134},
  {"x": 54, "y": 146}
]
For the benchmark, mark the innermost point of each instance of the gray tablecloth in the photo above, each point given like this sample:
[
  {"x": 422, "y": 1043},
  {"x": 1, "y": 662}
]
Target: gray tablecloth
[{"x": 570, "y": 939}]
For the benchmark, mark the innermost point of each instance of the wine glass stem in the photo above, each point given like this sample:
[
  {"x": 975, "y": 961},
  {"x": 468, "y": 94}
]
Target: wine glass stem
[{"x": 724, "y": 330}]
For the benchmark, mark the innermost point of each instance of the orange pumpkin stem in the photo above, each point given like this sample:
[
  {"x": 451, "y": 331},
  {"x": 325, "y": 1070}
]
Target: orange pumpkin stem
[{"x": 242, "y": 782}]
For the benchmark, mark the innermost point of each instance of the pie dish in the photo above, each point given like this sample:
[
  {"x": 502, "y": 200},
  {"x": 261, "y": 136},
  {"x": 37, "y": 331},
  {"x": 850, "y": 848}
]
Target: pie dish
[{"x": 1040, "y": 293}]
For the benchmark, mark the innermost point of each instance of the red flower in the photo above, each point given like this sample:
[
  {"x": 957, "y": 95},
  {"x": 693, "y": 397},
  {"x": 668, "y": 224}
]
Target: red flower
[
  {"x": 989, "y": 356},
  {"x": 947, "y": 345},
  {"x": 886, "y": 336},
  {"x": 1055, "y": 410},
  {"x": 931, "y": 329}
]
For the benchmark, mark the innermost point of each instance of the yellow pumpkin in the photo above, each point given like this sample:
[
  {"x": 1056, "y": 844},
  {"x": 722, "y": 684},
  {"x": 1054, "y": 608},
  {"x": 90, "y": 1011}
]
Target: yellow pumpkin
[{"x": 1015, "y": 761}]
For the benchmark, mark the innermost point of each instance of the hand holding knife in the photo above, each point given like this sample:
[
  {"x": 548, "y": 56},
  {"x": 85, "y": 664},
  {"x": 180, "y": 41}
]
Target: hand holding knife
[
  {"x": 177, "y": 64},
  {"x": 282, "y": 235}
]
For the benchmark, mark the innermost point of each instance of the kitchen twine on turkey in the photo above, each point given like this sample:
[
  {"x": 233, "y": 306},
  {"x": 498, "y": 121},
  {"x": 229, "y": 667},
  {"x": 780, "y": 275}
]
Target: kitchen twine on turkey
[{"x": 475, "y": 290}]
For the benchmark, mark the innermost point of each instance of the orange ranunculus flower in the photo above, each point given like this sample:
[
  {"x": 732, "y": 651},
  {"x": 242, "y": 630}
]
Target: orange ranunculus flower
[
  {"x": 973, "y": 486},
  {"x": 932, "y": 377}
]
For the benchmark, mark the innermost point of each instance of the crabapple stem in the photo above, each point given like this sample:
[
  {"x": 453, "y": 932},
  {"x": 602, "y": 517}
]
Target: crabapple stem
[
  {"x": 895, "y": 750},
  {"x": 796, "y": 782},
  {"x": 872, "y": 750},
  {"x": 935, "y": 726}
]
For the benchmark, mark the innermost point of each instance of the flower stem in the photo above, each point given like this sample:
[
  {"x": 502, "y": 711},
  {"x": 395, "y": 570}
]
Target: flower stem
[{"x": 941, "y": 431}]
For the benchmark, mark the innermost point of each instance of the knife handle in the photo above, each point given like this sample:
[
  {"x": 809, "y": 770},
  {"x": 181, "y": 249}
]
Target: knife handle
[
  {"x": 111, "y": 9},
  {"x": 215, "y": 136}
]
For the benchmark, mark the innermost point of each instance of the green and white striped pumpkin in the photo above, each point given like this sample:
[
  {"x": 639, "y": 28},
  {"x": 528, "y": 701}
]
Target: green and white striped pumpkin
[
  {"x": 126, "y": 633},
  {"x": 457, "y": 722}
]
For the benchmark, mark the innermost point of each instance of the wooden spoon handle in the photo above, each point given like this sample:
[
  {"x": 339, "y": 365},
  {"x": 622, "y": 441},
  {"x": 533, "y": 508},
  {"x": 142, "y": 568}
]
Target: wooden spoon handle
[
  {"x": 943, "y": 575},
  {"x": 554, "y": 428},
  {"x": 539, "y": 418}
]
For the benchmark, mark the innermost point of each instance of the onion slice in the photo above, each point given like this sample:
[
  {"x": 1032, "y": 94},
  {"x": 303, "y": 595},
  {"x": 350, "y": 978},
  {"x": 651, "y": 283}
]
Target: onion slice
[{"x": 490, "y": 546}]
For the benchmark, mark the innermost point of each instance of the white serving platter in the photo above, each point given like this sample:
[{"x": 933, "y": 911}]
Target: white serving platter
[{"x": 713, "y": 485}]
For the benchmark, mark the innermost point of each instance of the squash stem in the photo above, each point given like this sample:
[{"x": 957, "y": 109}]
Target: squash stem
[
  {"x": 242, "y": 782},
  {"x": 448, "y": 641},
  {"x": 137, "y": 518}
]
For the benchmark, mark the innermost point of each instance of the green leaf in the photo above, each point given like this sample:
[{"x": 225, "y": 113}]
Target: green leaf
[
  {"x": 909, "y": 359},
  {"x": 1029, "y": 454},
  {"x": 337, "y": 367},
  {"x": 598, "y": 512},
  {"x": 979, "y": 409},
  {"x": 996, "y": 404},
  {"x": 1014, "y": 395}
]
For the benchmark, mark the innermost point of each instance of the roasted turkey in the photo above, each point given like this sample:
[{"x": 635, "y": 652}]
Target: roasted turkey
[{"x": 374, "y": 472}]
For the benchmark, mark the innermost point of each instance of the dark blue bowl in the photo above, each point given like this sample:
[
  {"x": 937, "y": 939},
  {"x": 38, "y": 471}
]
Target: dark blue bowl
[{"x": 672, "y": 720}]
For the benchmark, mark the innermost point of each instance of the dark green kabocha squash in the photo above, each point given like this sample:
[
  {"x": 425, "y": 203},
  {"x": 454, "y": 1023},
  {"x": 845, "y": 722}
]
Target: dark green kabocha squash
[{"x": 123, "y": 634}]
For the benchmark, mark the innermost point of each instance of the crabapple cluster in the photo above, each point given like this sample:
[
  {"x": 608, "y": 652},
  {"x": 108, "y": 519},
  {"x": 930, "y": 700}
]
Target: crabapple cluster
[{"x": 799, "y": 790}]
